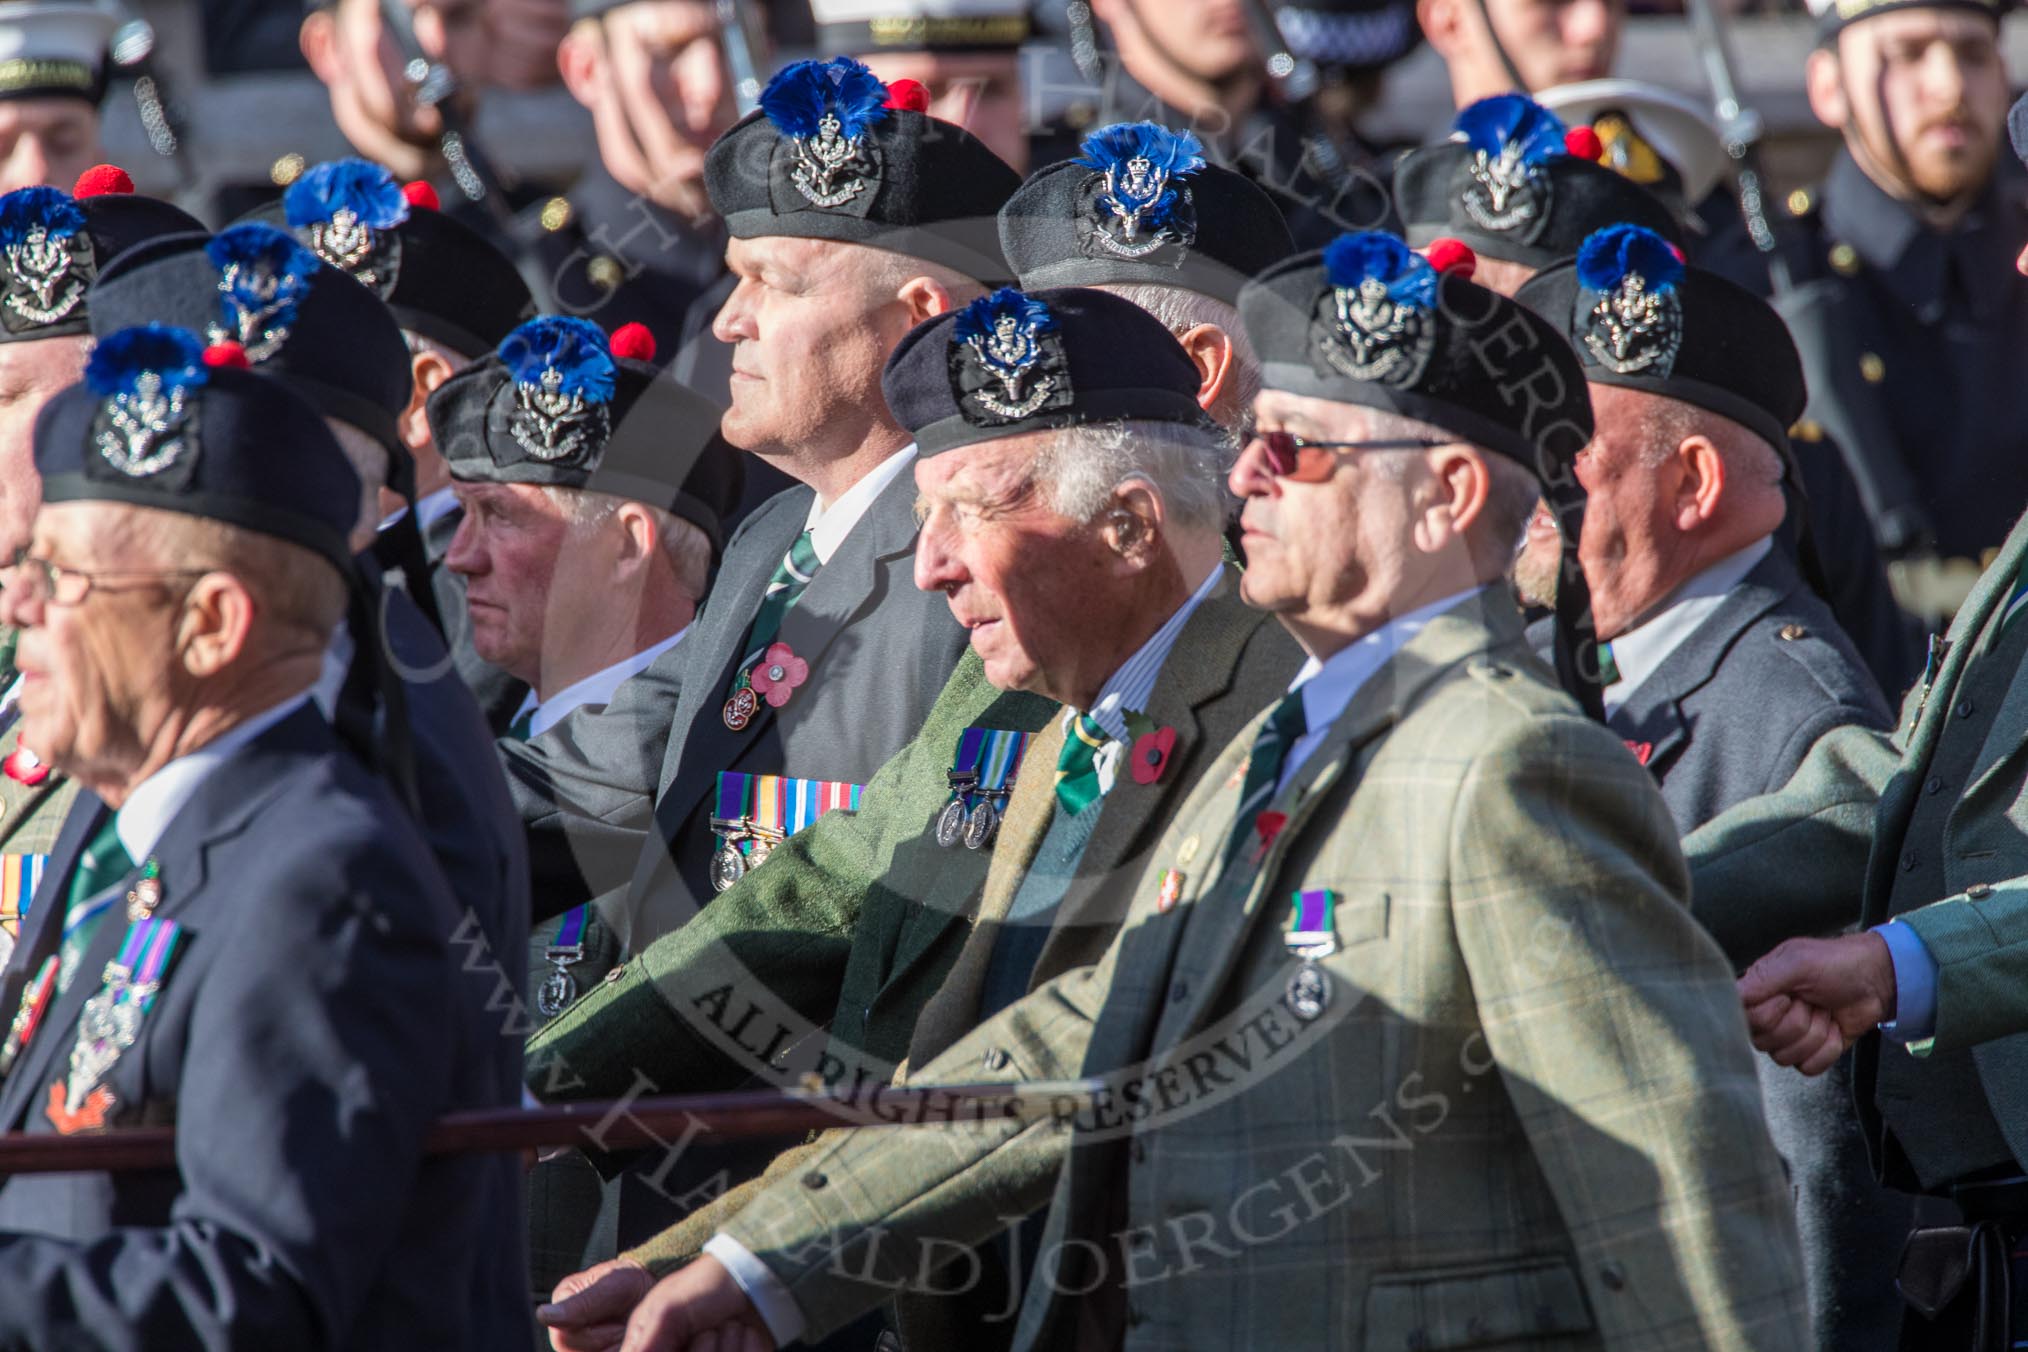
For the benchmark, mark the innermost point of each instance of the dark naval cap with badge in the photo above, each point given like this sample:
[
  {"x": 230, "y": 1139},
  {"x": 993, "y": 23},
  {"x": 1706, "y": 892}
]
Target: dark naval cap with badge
[
  {"x": 55, "y": 48},
  {"x": 562, "y": 406},
  {"x": 1368, "y": 322},
  {"x": 1016, "y": 362},
  {"x": 1515, "y": 184},
  {"x": 834, "y": 154},
  {"x": 1835, "y": 16},
  {"x": 53, "y": 245},
  {"x": 1640, "y": 319},
  {"x": 441, "y": 278},
  {"x": 161, "y": 420},
  {"x": 309, "y": 325},
  {"x": 1139, "y": 205}
]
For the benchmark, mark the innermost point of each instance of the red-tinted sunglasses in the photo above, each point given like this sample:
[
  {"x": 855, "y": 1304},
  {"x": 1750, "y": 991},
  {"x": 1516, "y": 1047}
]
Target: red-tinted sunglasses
[{"x": 1292, "y": 457}]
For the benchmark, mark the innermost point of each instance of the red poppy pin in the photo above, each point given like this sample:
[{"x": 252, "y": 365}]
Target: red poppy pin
[
  {"x": 24, "y": 767},
  {"x": 1151, "y": 754},
  {"x": 1641, "y": 750},
  {"x": 1267, "y": 826},
  {"x": 778, "y": 673}
]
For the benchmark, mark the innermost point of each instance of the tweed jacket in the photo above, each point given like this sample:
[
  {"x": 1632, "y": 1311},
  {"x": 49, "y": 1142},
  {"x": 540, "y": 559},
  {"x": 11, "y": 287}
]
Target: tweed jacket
[
  {"x": 313, "y": 1025},
  {"x": 916, "y": 971},
  {"x": 1822, "y": 853},
  {"x": 30, "y": 814},
  {"x": 1528, "y": 1110}
]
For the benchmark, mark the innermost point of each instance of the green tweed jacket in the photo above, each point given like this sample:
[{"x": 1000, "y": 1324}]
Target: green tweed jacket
[
  {"x": 759, "y": 971},
  {"x": 1527, "y": 1112},
  {"x": 921, "y": 968},
  {"x": 1820, "y": 854}
]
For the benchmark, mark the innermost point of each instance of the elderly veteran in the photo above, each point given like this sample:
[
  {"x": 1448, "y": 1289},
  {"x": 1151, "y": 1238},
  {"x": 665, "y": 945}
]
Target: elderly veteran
[
  {"x": 52, "y": 244},
  {"x": 455, "y": 295},
  {"x": 1141, "y": 214},
  {"x": 1723, "y": 668},
  {"x": 1079, "y": 543},
  {"x": 240, "y": 930},
  {"x": 1916, "y": 835},
  {"x": 1361, "y": 989},
  {"x": 852, "y": 218}
]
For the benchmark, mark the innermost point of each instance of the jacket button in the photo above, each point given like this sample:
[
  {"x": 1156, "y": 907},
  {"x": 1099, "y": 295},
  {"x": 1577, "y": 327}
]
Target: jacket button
[
  {"x": 1613, "y": 1275},
  {"x": 996, "y": 1058},
  {"x": 1979, "y": 891},
  {"x": 1935, "y": 784},
  {"x": 617, "y": 972},
  {"x": 813, "y": 1179},
  {"x": 1179, "y": 992},
  {"x": 1966, "y": 707},
  {"x": 1789, "y": 633},
  {"x": 1139, "y": 1152},
  {"x": 1908, "y": 862}
]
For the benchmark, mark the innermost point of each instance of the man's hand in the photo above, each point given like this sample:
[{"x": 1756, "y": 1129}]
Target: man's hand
[
  {"x": 1810, "y": 999},
  {"x": 697, "y": 1309},
  {"x": 588, "y": 1311}
]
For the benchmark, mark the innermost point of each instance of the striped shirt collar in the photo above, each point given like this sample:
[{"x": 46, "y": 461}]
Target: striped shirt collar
[{"x": 1133, "y": 685}]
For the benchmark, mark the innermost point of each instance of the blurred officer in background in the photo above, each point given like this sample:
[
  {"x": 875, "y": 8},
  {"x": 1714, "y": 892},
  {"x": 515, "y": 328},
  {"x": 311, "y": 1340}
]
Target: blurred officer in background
[{"x": 52, "y": 75}]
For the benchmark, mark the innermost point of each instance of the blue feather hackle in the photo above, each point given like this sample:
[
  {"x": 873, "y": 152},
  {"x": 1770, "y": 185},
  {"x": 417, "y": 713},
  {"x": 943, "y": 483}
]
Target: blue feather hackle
[
  {"x": 325, "y": 189},
  {"x": 799, "y": 95},
  {"x": 50, "y": 209},
  {"x": 1352, "y": 259},
  {"x": 575, "y": 348},
  {"x": 119, "y": 359},
  {"x": 977, "y": 319},
  {"x": 1175, "y": 153},
  {"x": 1607, "y": 256},
  {"x": 1492, "y": 122}
]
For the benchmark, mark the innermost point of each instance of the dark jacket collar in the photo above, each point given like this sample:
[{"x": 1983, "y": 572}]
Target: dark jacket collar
[{"x": 1917, "y": 263}]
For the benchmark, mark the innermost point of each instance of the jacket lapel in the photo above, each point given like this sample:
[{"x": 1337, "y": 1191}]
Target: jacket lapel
[
  {"x": 223, "y": 802},
  {"x": 1215, "y": 934},
  {"x": 43, "y": 929}
]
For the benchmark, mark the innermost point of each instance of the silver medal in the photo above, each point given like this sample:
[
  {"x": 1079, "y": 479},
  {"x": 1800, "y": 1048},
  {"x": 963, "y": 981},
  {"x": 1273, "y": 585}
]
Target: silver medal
[
  {"x": 981, "y": 825},
  {"x": 951, "y": 823},
  {"x": 728, "y": 866},
  {"x": 559, "y": 988},
  {"x": 1309, "y": 991}
]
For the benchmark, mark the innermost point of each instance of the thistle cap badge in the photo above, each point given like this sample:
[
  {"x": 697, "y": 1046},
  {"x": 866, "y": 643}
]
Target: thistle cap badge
[
  {"x": 48, "y": 258},
  {"x": 263, "y": 274},
  {"x": 824, "y": 110},
  {"x": 564, "y": 379},
  {"x": 1632, "y": 316},
  {"x": 1006, "y": 361},
  {"x": 1376, "y": 321},
  {"x": 346, "y": 211},
  {"x": 1135, "y": 202},
  {"x": 147, "y": 379},
  {"x": 1507, "y": 187}
]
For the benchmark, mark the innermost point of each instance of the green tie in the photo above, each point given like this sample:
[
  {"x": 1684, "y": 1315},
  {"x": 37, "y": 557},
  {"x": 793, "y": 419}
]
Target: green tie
[
  {"x": 1077, "y": 765},
  {"x": 1608, "y": 670},
  {"x": 793, "y": 574},
  {"x": 1284, "y": 727},
  {"x": 522, "y": 727},
  {"x": 104, "y": 862}
]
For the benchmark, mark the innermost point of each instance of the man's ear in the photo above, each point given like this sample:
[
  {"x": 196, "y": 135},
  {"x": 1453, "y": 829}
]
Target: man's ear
[
  {"x": 217, "y": 618},
  {"x": 318, "y": 38},
  {"x": 1132, "y": 525},
  {"x": 1460, "y": 483},
  {"x": 925, "y": 298},
  {"x": 581, "y": 60},
  {"x": 1824, "y": 83},
  {"x": 1210, "y": 351},
  {"x": 639, "y": 538},
  {"x": 1442, "y": 24},
  {"x": 430, "y": 370},
  {"x": 1702, "y": 483}
]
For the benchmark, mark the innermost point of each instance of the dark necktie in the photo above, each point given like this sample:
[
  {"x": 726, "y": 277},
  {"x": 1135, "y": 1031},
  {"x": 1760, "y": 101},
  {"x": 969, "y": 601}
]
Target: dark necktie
[{"x": 1284, "y": 728}]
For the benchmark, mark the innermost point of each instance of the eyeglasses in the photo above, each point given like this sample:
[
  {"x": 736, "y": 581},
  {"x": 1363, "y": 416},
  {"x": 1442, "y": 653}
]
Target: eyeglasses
[
  {"x": 1292, "y": 457},
  {"x": 47, "y": 582}
]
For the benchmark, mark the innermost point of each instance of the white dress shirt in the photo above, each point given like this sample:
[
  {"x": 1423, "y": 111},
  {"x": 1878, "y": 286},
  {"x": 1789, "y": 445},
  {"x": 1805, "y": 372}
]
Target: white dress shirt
[
  {"x": 156, "y": 800},
  {"x": 596, "y": 688},
  {"x": 1640, "y": 652},
  {"x": 429, "y": 508}
]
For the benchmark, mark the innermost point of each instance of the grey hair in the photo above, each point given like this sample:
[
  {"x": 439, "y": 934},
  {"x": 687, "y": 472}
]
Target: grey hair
[
  {"x": 1512, "y": 489},
  {"x": 1186, "y": 465},
  {"x": 685, "y": 548},
  {"x": 1181, "y": 310}
]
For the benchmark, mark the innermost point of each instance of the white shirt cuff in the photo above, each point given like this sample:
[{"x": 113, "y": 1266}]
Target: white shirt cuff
[{"x": 776, "y": 1306}]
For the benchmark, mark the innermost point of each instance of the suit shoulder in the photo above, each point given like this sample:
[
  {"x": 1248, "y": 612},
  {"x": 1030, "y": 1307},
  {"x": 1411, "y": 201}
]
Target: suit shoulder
[
  {"x": 1507, "y": 706},
  {"x": 1796, "y": 655},
  {"x": 795, "y": 499}
]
